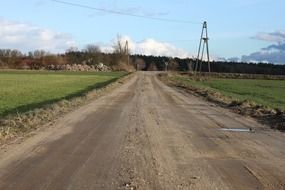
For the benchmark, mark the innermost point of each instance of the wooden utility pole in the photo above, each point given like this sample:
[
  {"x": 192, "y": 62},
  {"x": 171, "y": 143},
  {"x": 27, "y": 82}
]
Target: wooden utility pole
[
  {"x": 166, "y": 66},
  {"x": 204, "y": 39},
  {"x": 127, "y": 51}
]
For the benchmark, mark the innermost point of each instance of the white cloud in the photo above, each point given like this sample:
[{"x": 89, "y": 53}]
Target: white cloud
[
  {"x": 265, "y": 55},
  {"x": 27, "y": 37},
  {"x": 277, "y": 37},
  {"x": 274, "y": 53},
  {"x": 151, "y": 47}
]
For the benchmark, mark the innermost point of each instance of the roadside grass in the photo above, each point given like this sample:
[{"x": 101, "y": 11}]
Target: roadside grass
[
  {"x": 270, "y": 93},
  {"x": 22, "y": 91}
]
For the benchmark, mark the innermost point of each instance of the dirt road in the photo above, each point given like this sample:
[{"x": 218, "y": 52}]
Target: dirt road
[{"x": 146, "y": 135}]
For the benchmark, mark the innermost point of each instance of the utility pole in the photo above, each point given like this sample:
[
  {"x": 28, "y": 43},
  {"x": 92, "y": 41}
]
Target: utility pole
[
  {"x": 136, "y": 63},
  {"x": 204, "y": 39},
  {"x": 166, "y": 65},
  {"x": 127, "y": 51}
]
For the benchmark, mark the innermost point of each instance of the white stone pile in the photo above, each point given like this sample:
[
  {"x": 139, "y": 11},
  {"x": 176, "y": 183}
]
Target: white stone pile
[{"x": 80, "y": 67}]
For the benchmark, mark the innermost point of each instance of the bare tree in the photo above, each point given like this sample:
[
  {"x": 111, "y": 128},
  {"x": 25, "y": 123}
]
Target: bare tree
[
  {"x": 39, "y": 54},
  {"x": 91, "y": 48},
  {"x": 10, "y": 57},
  {"x": 120, "y": 57},
  {"x": 72, "y": 49},
  {"x": 121, "y": 46},
  {"x": 93, "y": 54}
]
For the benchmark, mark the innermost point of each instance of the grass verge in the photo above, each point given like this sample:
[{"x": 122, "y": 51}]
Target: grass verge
[
  {"x": 261, "y": 99},
  {"x": 46, "y": 112},
  {"x": 22, "y": 91}
]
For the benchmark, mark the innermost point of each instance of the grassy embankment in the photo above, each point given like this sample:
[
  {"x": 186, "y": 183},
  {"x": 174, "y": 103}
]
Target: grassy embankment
[
  {"x": 32, "y": 99},
  {"x": 270, "y": 93},
  {"x": 259, "y": 98},
  {"x": 21, "y": 91}
]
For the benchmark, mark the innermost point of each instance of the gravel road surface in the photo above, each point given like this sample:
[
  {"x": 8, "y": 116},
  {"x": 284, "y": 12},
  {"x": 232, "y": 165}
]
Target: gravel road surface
[{"x": 146, "y": 135}]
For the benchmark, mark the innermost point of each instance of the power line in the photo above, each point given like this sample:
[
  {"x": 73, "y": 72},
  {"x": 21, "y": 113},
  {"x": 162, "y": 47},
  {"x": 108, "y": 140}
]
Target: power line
[
  {"x": 181, "y": 41},
  {"x": 125, "y": 13}
]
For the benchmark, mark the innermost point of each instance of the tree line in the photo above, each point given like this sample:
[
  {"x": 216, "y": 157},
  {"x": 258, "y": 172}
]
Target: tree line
[
  {"x": 188, "y": 64},
  {"x": 119, "y": 59}
]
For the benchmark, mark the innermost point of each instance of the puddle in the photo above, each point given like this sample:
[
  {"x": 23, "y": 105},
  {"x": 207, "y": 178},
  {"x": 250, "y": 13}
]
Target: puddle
[{"x": 237, "y": 129}]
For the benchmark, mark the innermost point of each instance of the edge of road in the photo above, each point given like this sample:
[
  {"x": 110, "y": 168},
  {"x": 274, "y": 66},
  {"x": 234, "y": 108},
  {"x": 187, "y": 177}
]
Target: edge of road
[
  {"x": 16, "y": 129},
  {"x": 274, "y": 119}
]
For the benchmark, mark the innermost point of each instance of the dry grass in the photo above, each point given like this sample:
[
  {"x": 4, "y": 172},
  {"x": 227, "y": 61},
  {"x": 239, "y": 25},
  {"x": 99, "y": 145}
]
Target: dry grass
[
  {"x": 274, "y": 117},
  {"x": 234, "y": 76}
]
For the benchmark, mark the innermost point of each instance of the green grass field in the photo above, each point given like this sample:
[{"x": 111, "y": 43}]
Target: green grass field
[
  {"x": 21, "y": 91},
  {"x": 270, "y": 93}
]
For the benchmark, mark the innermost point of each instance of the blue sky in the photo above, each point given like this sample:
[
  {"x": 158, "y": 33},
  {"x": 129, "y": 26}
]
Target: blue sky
[{"x": 236, "y": 27}]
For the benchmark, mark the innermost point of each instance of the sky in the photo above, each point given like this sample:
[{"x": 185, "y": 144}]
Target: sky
[{"x": 248, "y": 30}]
